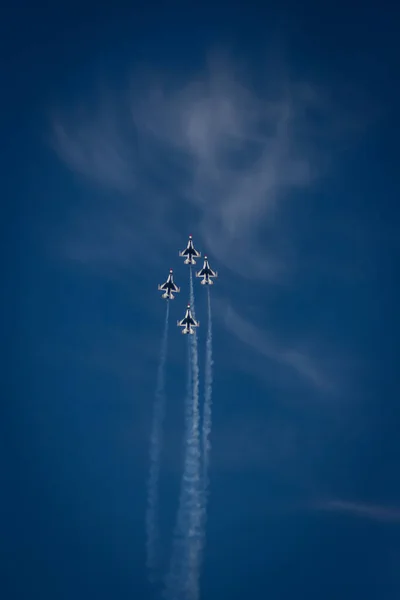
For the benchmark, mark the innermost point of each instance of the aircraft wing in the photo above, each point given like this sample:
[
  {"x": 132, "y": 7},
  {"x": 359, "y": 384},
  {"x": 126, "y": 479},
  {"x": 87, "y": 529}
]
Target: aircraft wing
[
  {"x": 196, "y": 253},
  {"x": 184, "y": 252},
  {"x": 213, "y": 273},
  {"x": 164, "y": 286},
  {"x": 201, "y": 273},
  {"x": 175, "y": 288}
]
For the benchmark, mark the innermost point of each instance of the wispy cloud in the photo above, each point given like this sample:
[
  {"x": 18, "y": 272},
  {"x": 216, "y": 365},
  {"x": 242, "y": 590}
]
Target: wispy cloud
[
  {"x": 96, "y": 148},
  {"x": 298, "y": 361},
  {"x": 369, "y": 511},
  {"x": 217, "y": 152},
  {"x": 214, "y": 148}
]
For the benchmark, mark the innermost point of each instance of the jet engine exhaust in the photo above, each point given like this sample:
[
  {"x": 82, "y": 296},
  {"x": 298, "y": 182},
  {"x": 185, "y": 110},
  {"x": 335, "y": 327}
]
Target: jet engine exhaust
[
  {"x": 195, "y": 534},
  {"x": 207, "y": 414},
  {"x": 152, "y": 527},
  {"x": 183, "y": 578}
]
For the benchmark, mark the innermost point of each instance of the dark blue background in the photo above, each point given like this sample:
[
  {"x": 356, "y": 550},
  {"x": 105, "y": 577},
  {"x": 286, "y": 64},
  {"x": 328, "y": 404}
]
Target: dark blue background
[{"x": 80, "y": 357}]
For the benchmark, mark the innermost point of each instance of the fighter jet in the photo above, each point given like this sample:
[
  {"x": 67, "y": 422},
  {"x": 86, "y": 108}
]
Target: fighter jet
[
  {"x": 169, "y": 286},
  {"x": 188, "y": 322},
  {"x": 190, "y": 252},
  {"x": 206, "y": 273}
]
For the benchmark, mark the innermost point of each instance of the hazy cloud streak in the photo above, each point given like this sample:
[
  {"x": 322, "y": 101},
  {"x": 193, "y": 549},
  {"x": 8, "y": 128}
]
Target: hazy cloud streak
[
  {"x": 217, "y": 151},
  {"x": 359, "y": 509},
  {"x": 215, "y": 144},
  {"x": 259, "y": 341}
]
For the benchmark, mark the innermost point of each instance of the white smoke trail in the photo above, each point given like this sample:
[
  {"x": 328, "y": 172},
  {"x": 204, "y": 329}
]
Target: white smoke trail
[
  {"x": 152, "y": 527},
  {"x": 177, "y": 580},
  {"x": 207, "y": 408},
  {"x": 182, "y": 579},
  {"x": 207, "y": 421},
  {"x": 195, "y": 526}
]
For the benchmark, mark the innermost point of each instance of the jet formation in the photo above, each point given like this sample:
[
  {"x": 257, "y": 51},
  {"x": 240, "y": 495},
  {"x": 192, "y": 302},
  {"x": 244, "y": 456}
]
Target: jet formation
[{"x": 170, "y": 288}]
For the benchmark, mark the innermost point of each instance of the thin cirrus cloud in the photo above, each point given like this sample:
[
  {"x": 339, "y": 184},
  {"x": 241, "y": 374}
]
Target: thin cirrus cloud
[
  {"x": 211, "y": 146},
  {"x": 95, "y": 150},
  {"x": 369, "y": 511},
  {"x": 296, "y": 360}
]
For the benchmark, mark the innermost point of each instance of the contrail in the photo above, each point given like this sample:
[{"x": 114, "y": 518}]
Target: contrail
[
  {"x": 182, "y": 581},
  {"x": 178, "y": 580},
  {"x": 195, "y": 535},
  {"x": 207, "y": 408},
  {"x": 153, "y": 542}
]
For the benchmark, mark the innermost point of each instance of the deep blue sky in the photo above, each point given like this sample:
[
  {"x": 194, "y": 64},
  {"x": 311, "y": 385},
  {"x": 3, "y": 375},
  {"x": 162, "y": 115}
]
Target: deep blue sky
[{"x": 305, "y": 489}]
